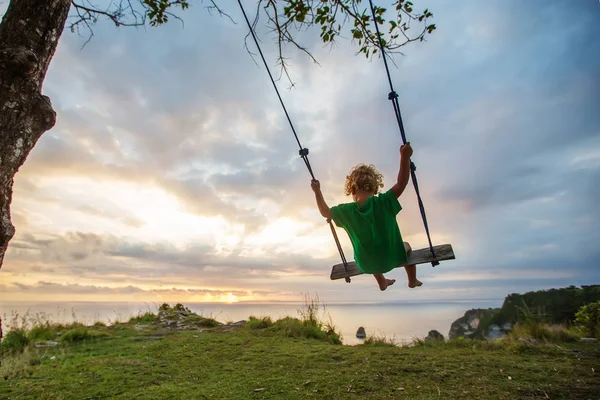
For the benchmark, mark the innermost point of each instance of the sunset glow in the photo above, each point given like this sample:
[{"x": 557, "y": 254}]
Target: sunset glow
[{"x": 172, "y": 174}]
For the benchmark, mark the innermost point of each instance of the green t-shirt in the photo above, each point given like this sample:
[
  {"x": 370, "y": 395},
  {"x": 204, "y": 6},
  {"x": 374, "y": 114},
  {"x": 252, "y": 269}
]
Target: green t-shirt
[{"x": 373, "y": 231}]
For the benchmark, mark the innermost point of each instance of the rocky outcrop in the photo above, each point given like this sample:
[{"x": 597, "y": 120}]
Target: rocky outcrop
[
  {"x": 434, "y": 336},
  {"x": 495, "y": 332},
  {"x": 360, "y": 333},
  {"x": 180, "y": 317},
  {"x": 469, "y": 326}
]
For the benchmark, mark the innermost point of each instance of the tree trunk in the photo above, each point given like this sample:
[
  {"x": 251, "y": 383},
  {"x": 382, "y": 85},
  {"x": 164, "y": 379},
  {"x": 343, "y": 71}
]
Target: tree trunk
[{"x": 29, "y": 33}]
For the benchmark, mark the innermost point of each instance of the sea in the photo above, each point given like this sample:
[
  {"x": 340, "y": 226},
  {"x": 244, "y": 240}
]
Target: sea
[{"x": 401, "y": 322}]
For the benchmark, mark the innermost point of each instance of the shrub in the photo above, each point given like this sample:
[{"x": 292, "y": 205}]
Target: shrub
[
  {"x": 201, "y": 321},
  {"x": 259, "y": 323},
  {"x": 76, "y": 335},
  {"x": 42, "y": 332},
  {"x": 15, "y": 340},
  {"x": 544, "y": 332},
  {"x": 588, "y": 318},
  {"x": 145, "y": 317},
  {"x": 19, "y": 365},
  {"x": 376, "y": 340}
]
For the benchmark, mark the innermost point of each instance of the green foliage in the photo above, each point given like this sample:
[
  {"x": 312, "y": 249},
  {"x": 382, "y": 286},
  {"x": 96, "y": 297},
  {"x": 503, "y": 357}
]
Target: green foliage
[
  {"x": 80, "y": 334},
  {"x": 291, "y": 327},
  {"x": 181, "y": 307},
  {"x": 379, "y": 340},
  {"x": 310, "y": 313},
  {"x": 554, "y": 306},
  {"x": 543, "y": 332},
  {"x": 26, "y": 330},
  {"x": 459, "y": 343},
  {"x": 158, "y": 10},
  {"x": 145, "y": 317},
  {"x": 166, "y": 308},
  {"x": 42, "y": 332},
  {"x": 390, "y": 29},
  {"x": 309, "y": 325},
  {"x": 76, "y": 335},
  {"x": 294, "y": 327},
  {"x": 200, "y": 321},
  {"x": 15, "y": 340},
  {"x": 588, "y": 318},
  {"x": 259, "y": 323},
  {"x": 331, "y": 15}
]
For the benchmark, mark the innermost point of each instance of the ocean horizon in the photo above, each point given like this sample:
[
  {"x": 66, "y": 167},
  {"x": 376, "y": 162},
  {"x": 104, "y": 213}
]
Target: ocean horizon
[{"x": 401, "y": 321}]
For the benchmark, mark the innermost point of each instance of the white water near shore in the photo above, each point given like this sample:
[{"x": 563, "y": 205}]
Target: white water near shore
[{"x": 399, "y": 321}]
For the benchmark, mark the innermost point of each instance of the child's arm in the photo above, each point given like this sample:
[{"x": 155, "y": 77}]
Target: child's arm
[
  {"x": 323, "y": 207},
  {"x": 404, "y": 173}
]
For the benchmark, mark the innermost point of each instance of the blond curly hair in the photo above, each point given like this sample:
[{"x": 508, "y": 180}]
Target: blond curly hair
[{"x": 363, "y": 178}]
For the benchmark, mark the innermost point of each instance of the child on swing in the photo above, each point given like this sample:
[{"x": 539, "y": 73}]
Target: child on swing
[{"x": 370, "y": 221}]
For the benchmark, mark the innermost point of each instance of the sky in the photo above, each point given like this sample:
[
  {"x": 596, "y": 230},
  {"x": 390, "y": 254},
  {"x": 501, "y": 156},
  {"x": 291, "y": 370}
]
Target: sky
[{"x": 172, "y": 174}]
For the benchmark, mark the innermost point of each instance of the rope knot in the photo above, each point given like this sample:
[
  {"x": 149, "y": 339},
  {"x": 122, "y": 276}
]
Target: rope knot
[
  {"x": 303, "y": 152},
  {"x": 393, "y": 95}
]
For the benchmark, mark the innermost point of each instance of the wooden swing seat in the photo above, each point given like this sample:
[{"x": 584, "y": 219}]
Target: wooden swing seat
[{"x": 420, "y": 256}]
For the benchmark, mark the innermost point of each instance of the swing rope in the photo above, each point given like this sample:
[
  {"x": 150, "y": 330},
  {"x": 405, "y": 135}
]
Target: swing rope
[
  {"x": 393, "y": 96},
  {"x": 303, "y": 152}
]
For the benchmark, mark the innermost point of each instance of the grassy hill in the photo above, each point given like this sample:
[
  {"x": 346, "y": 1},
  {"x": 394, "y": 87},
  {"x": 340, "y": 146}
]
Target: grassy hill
[{"x": 184, "y": 356}]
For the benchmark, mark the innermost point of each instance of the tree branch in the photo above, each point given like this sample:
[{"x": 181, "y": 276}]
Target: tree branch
[
  {"x": 283, "y": 18},
  {"x": 214, "y": 6}
]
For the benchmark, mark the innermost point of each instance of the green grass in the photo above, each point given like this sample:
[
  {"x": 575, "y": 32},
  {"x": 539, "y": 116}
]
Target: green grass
[
  {"x": 14, "y": 341},
  {"x": 79, "y": 334},
  {"x": 147, "y": 317},
  {"x": 291, "y": 358},
  {"x": 259, "y": 323},
  {"x": 544, "y": 332},
  {"x": 201, "y": 322},
  {"x": 41, "y": 333},
  {"x": 232, "y": 363},
  {"x": 379, "y": 340}
]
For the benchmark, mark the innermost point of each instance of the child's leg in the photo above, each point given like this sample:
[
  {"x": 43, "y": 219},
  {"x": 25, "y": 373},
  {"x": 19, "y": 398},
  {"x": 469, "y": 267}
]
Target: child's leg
[
  {"x": 411, "y": 271},
  {"x": 383, "y": 282}
]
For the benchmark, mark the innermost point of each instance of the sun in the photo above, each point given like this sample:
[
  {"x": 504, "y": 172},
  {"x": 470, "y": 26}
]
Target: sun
[{"x": 228, "y": 298}]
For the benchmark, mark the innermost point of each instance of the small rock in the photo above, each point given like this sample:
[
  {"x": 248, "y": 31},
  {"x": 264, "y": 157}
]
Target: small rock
[
  {"x": 47, "y": 343},
  {"x": 259, "y": 389},
  {"x": 140, "y": 327},
  {"x": 53, "y": 358},
  {"x": 528, "y": 340},
  {"x": 360, "y": 333},
  {"x": 434, "y": 335}
]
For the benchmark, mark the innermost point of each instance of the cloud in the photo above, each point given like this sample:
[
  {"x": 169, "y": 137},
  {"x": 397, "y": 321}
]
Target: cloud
[
  {"x": 172, "y": 163},
  {"x": 74, "y": 288}
]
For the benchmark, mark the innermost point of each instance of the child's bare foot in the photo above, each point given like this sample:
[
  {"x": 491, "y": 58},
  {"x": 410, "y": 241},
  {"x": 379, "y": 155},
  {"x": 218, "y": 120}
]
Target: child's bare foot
[
  {"x": 388, "y": 282},
  {"x": 415, "y": 284}
]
